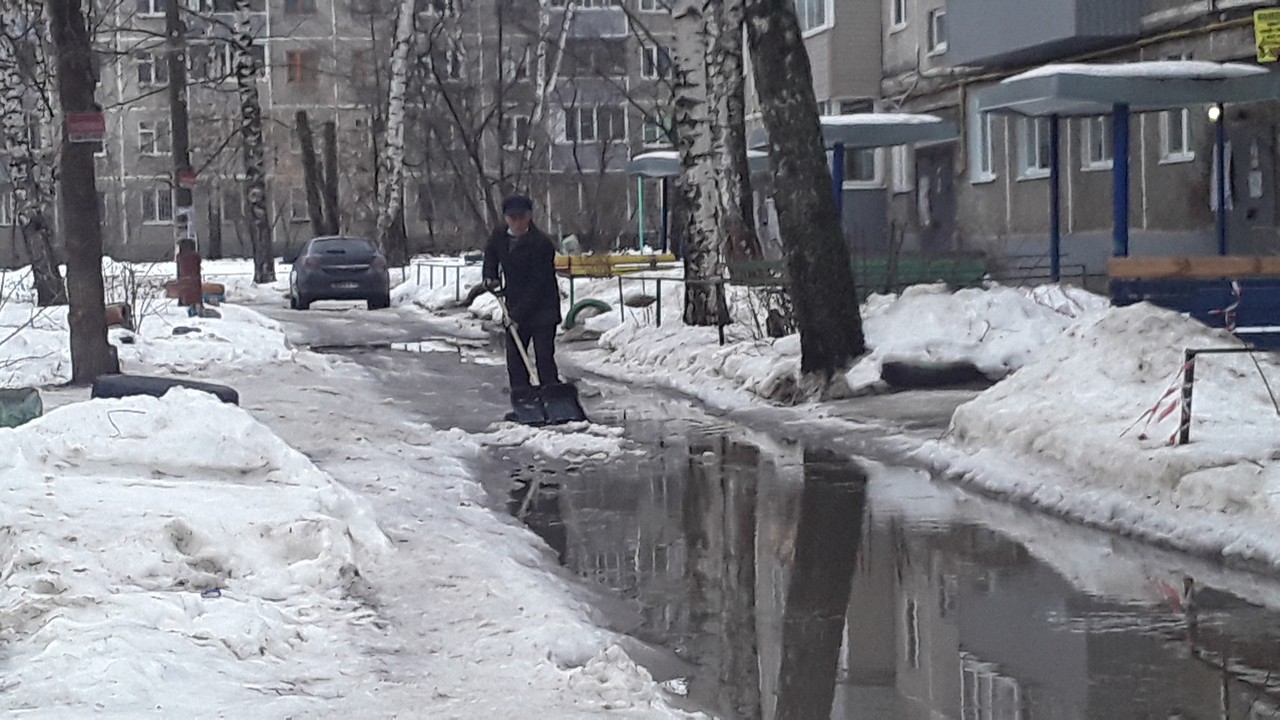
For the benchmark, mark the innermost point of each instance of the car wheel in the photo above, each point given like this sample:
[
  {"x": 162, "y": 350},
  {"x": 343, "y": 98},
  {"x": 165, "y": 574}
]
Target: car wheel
[
  {"x": 302, "y": 303},
  {"x": 380, "y": 302},
  {"x": 293, "y": 302}
]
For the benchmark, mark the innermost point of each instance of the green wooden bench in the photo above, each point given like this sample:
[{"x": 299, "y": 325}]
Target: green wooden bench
[{"x": 876, "y": 273}]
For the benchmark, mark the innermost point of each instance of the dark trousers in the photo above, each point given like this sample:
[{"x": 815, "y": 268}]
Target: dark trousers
[{"x": 544, "y": 356}]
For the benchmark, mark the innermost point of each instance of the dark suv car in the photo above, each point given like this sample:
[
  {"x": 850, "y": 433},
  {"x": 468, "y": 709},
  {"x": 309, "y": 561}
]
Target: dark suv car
[{"x": 340, "y": 268}]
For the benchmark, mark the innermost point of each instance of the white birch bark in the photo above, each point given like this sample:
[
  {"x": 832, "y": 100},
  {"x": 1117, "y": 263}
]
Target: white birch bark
[
  {"x": 264, "y": 269},
  {"x": 31, "y": 179},
  {"x": 546, "y": 80},
  {"x": 391, "y": 194},
  {"x": 694, "y": 115},
  {"x": 728, "y": 131}
]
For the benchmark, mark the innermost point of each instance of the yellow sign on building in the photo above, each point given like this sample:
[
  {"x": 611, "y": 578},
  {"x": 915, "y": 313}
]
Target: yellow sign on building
[{"x": 1266, "y": 34}]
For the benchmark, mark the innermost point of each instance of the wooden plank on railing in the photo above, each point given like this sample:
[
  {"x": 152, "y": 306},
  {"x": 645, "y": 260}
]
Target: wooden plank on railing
[{"x": 1153, "y": 268}]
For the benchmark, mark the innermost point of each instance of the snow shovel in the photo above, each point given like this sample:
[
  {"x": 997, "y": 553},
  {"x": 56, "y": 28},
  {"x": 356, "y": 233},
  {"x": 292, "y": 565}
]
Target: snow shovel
[{"x": 540, "y": 404}]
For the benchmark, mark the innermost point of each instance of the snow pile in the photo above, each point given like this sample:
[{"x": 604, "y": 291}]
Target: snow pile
[
  {"x": 572, "y": 441},
  {"x": 436, "y": 283},
  {"x": 35, "y": 342},
  {"x": 1071, "y": 430},
  {"x": 997, "y": 329},
  {"x": 1151, "y": 69},
  {"x": 174, "y": 555}
]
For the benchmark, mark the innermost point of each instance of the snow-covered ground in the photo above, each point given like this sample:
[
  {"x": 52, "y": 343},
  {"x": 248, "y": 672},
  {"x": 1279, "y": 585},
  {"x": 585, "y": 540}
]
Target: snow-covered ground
[
  {"x": 177, "y": 556},
  {"x": 396, "y": 525},
  {"x": 1079, "y": 423}
]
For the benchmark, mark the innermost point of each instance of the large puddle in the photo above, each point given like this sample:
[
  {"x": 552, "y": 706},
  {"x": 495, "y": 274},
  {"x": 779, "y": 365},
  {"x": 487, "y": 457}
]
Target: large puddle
[{"x": 798, "y": 585}]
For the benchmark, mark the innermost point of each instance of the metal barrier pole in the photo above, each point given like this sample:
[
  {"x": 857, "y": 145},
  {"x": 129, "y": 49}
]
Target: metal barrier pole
[
  {"x": 457, "y": 285},
  {"x": 621, "y": 304},
  {"x": 659, "y": 303},
  {"x": 1188, "y": 382}
]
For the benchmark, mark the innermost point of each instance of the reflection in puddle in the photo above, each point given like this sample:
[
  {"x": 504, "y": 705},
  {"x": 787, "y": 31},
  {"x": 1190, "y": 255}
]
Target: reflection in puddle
[{"x": 796, "y": 594}]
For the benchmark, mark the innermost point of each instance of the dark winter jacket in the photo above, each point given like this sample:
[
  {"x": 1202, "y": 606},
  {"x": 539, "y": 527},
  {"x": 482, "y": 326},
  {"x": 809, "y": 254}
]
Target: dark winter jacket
[{"x": 528, "y": 266}]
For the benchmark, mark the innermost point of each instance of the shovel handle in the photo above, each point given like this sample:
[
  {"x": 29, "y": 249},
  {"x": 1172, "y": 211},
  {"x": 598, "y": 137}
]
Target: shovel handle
[{"x": 514, "y": 330}]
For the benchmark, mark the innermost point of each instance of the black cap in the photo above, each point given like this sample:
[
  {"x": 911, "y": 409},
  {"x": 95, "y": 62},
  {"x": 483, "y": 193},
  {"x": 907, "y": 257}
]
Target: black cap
[{"x": 517, "y": 205}]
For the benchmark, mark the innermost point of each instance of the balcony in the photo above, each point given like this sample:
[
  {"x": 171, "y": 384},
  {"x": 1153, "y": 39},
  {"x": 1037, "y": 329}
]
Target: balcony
[{"x": 1003, "y": 33}]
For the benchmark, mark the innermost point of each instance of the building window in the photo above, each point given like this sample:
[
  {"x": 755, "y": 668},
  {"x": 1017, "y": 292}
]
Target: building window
[
  {"x": 981, "y": 159},
  {"x": 300, "y": 7},
  {"x": 518, "y": 63},
  {"x": 899, "y": 14},
  {"x": 151, "y": 8},
  {"x": 364, "y": 7},
  {"x": 218, "y": 6},
  {"x": 153, "y": 137},
  {"x": 6, "y": 208},
  {"x": 152, "y": 71},
  {"x": 1175, "y": 136},
  {"x": 589, "y": 124},
  {"x": 861, "y": 167},
  {"x": 298, "y": 212},
  {"x": 454, "y": 60},
  {"x": 904, "y": 179},
  {"x": 657, "y": 134},
  {"x": 937, "y": 32},
  {"x": 655, "y": 62},
  {"x": 300, "y": 67},
  {"x": 1033, "y": 148},
  {"x": 1095, "y": 138},
  {"x": 814, "y": 15},
  {"x": 447, "y": 8},
  {"x": 652, "y": 6},
  {"x": 157, "y": 205},
  {"x": 515, "y": 131}
]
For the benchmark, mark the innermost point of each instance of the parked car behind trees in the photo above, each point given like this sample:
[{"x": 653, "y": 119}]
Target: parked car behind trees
[{"x": 340, "y": 268}]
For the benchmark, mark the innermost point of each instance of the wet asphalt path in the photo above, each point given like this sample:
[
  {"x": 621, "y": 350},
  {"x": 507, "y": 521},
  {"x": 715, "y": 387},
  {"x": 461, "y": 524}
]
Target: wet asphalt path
[{"x": 795, "y": 577}]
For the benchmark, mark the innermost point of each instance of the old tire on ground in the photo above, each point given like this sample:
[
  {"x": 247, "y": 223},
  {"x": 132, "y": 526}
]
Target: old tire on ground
[
  {"x": 910, "y": 376},
  {"x": 119, "y": 386},
  {"x": 590, "y": 306}
]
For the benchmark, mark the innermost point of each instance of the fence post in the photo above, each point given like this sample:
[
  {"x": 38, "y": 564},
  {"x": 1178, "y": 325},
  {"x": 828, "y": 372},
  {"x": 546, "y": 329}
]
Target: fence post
[
  {"x": 457, "y": 284},
  {"x": 1188, "y": 381},
  {"x": 659, "y": 303},
  {"x": 621, "y": 305}
]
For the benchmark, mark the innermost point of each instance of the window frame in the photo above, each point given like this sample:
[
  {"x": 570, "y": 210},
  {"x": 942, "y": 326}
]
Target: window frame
[
  {"x": 1027, "y": 171},
  {"x": 652, "y": 66},
  {"x": 823, "y": 16},
  {"x": 8, "y": 209},
  {"x": 651, "y": 6},
  {"x": 161, "y": 137},
  {"x": 936, "y": 46},
  {"x": 156, "y": 67},
  {"x": 300, "y": 7},
  {"x": 1088, "y": 162},
  {"x": 301, "y": 72},
  {"x": 510, "y": 124},
  {"x": 981, "y": 144},
  {"x": 898, "y": 19},
  {"x": 155, "y": 8},
  {"x": 662, "y": 136},
  {"x": 877, "y": 168},
  {"x": 1183, "y": 154},
  {"x": 160, "y": 209}
]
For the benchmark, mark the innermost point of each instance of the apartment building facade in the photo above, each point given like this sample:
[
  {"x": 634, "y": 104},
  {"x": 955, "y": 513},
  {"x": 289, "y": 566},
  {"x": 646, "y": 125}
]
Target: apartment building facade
[
  {"x": 988, "y": 191},
  {"x": 473, "y": 102}
]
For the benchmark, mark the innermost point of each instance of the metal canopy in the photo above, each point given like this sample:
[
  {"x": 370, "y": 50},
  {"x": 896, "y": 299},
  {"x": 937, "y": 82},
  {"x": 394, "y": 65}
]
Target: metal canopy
[
  {"x": 666, "y": 163},
  {"x": 1083, "y": 90},
  {"x": 872, "y": 130}
]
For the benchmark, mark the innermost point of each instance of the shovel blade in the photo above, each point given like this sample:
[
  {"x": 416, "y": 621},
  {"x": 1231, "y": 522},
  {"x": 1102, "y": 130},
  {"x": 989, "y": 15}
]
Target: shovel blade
[
  {"x": 527, "y": 407},
  {"x": 560, "y": 401}
]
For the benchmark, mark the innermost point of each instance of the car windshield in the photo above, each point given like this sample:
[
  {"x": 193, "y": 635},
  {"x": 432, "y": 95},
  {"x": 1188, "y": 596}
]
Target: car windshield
[{"x": 347, "y": 246}]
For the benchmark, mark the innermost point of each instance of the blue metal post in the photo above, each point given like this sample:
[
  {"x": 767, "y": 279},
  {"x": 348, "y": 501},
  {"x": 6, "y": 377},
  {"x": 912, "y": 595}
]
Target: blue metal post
[
  {"x": 1220, "y": 170},
  {"x": 666, "y": 213},
  {"x": 640, "y": 209},
  {"x": 1120, "y": 180},
  {"x": 1055, "y": 202},
  {"x": 837, "y": 180}
]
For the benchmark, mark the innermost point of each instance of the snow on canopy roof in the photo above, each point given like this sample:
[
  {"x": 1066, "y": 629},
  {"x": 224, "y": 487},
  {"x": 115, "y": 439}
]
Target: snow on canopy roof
[
  {"x": 666, "y": 163},
  {"x": 879, "y": 119},
  {"x": 1079, "y": 90},
  {"x": 872, "y": 130},
  {"x": 1155, "y": 69}
]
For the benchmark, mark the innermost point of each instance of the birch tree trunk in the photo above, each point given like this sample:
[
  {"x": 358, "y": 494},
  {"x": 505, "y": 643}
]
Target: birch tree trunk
[
  {"x": 332, "y": 213},
  {"x": 24, "y": 65},
  {"x": 259, "y": 222},
  {"x": 821, "y": 279},
  {"x": 391, "y": 191},
  {"x": 310, "y": 173},
  {"x": 546, "y": 80},
  {"x": 727, "y": 91},
  {"x": 693, "y": 117},
  {"x": 91, "y": 354}
]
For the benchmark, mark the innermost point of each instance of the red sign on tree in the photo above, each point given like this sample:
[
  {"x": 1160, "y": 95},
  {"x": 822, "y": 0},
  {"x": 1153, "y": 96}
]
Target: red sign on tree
[{"x": 86, "y": 127}]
